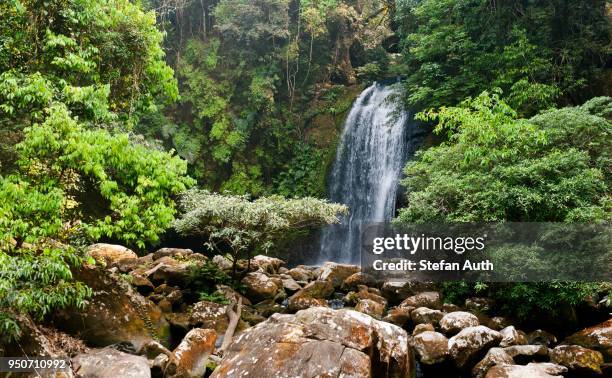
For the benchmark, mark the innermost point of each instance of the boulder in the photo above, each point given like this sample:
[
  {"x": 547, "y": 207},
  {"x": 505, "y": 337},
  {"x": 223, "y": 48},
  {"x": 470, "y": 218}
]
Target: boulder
[
  {"x": 452, "y": 323},
  {"x": 319, "y": 342},
  {"x": 370, "y": 307},
  {"x": 354, "y": 280},
  {"x": 363, "y": 293},
  {"x": 422, "y": 328},
  {"x": 222, "y": 262},
  {"x": 259, "y": 286},
  {"x": 470, "y": 344},
  {"x": 396, "y": 292},
  {"x": 431, "y": 347},
  {"x": 232, "y": 295},
  {"x": 523, "y": 354},
  {"x": 190, "y": 358},
  {"x": 110, "y": 363},
  {"x": 172, "y": 252},
  {"x": 209, "y": 315},
  {"x": 532, "y": 370},
  {"x": 319, "y": 290},
  {"x": 142, "y": 284},
  {"x": 426, "y": 315},
  {"x": 598, "y": 337},
  {"x": 429, "y": 299},
  {"x": 398, "y": 315},
  {"x": 541, "y": 337},
  {"x": 290, "y": 285},
  {"x": 495, "y": 356},
  {"x": 300, "y": 274},
  {"x": 510, "y": 336},
  {"x": 110, "y": 254},
  {"x": 337, "y": 273},
  {"x": 268, "y": 307},
  {"x": 579, "y": 360},
  {"x": 115, "y": 313},
  {"x": 498, "y": 323},
  {"x": 267, "y": 264},
  {"x": 302, "y": 303},
  {"x": 449, "y": 307}
]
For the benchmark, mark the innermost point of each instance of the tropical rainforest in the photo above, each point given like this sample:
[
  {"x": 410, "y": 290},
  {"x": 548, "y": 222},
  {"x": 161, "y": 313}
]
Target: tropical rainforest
[{"x": 123, "y": 120}]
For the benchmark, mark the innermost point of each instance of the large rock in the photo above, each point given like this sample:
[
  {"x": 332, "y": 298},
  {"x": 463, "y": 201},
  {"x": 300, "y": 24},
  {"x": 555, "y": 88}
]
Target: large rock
[
  {"x": 469, "y": 345},
  {"x": 598, "y": 337},
  {"x": 171, "y": 271},
  {"x": 267, "y": 264},
  {"x": 110, "y": 254},
  {"x": 541, "y": 337},
  {"x": 523, "y": 354},
  {"x": 429, "y": 299},
  {"x": 315, "y": 293},
  {"x": 210, "y": 315},
  {"x": 337, "y": 273},
  {"x": 454, "y": 322},
  {"x": 398, "y": 315},
  {"x": 512, "y": 337},
  {"x": 532, "y": 370},
  {"x": 364, "y": 293},
  {"x": 426, "y": 315},
  {"x": 431, "y": 347},
  {"x": 319, "y": 342},
  {"x": 181, "y": 253},
  {"x": 300, "y": 274},
  {"x": 259, "y": 287},
  {"x": 579, "y": 360},
  {"x": 110, "y": 363},
  {"x": 396, "y": 292},
  {"x": 479, "y": 304},
  {"x": 370, "y": 307},
  {"x": 495, "y": 356},
  {"x": 353, "y": 281},
  {"x": 115, "y": 313},
  {"x": 189, "y": 359}
]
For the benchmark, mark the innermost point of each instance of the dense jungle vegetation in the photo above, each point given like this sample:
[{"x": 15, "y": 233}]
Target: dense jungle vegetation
[{"x": 110, "y": 109}]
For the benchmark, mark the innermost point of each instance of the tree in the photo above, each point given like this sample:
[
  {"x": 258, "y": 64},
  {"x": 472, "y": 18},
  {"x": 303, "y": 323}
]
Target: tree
[
  {"x": 540, "y": 53},
  {"x": 246, "y": 226},
  {"x": 554, "y": 167}
]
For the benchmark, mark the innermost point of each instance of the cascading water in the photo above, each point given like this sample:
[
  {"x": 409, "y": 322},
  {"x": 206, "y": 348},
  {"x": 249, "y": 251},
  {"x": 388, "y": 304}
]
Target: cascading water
[{"x": 373, "y": 149}]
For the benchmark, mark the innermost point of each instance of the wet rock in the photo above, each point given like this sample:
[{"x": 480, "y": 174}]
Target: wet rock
[
  {"x": 267, "y": 264},
  {"x": 300, "y": 274},
  {"x": 425, "y": 327},
  {"x": 426, "y": 315},
  {"x": 469, "y": 345},
  {"x": 532, "y": 370},
  {"x": 512, "y": 337},
  {"x": 115, "y": 313},
  {"x": 319, "y": 342},
  {"x": 259, "y": 286},
  {"x": 452, "y": 323},
  {"x": 398, "y": 316},
  {"x": 110, "y": 254},
  {"x": 478, "y": 304},
  {"x": 370, "y": 307},
  {"x": 541, "y": 337},
  {"x": 337, "y": 273},
  {"x": 354, "y": 280},
  {"x": 598, "y": 337},
  {"x": 313, "y": 293},
  {"x": 172, "y": 252},
  {"x": 523, "y": 354},
  {"x": 431, "y": 347},
  {"x": 191, "y": 356},
  {"x": 429, "y": 299},
  {"x": 110, "y": 363},
  {"x": 579, "y": 360},
  {"x": 495, "y": 356}
]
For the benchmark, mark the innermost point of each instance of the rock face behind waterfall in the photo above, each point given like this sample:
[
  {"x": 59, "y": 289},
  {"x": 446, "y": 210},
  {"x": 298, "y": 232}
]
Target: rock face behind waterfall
[{"x": 374, "y": 146}]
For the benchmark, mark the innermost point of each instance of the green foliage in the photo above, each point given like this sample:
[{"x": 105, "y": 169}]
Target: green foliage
[
  {"x": 304, "y": 173},
  {"x": 553, "y": 167},
  {"x": 539, "y": 53},
  {"x": 205, "y": 278},
  {"x": 134, "y": 183},
  {"x": 247, "y": 226}
]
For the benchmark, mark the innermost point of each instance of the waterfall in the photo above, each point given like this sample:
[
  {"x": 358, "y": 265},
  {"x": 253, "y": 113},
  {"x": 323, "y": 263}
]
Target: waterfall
[{"x": 369, "y": 161}]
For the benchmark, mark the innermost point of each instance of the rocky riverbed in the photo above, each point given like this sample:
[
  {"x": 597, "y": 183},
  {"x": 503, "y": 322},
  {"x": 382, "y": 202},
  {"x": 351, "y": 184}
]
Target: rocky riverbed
[{"x": 144, "y": 320}]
